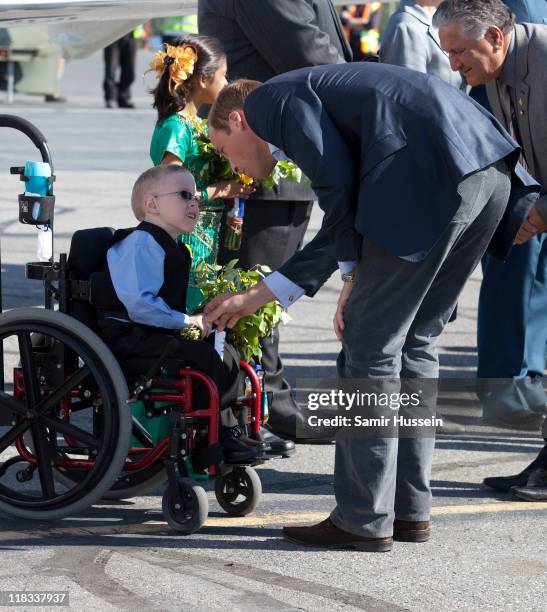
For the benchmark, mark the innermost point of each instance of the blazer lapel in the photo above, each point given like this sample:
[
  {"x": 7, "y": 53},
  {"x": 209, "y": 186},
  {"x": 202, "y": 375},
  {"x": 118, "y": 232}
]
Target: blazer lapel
[
  {"x": 495, "y": 103},
  {"x": 432, "y": 33},
  {"x": 419, "y": 14},
  {"x": 522, "y": 92}
]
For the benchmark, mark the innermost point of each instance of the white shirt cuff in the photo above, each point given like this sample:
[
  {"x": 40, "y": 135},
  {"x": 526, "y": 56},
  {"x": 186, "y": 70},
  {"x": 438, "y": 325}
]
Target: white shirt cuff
[
  {"x": 181, "y": 319},
  {"x": 285, "y": 291},
  {"x": 346, "y": 266}
]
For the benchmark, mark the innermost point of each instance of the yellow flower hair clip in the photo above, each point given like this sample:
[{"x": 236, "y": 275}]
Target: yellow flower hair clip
[{"x": 180, "y": 62}]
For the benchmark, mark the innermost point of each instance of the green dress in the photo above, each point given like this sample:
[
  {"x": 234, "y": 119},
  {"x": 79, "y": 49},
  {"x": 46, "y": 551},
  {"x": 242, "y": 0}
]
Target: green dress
[{"x": 176, "y": 135}]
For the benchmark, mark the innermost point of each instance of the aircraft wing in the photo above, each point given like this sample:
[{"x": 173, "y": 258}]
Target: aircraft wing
[{"x": 80, "y": 27}]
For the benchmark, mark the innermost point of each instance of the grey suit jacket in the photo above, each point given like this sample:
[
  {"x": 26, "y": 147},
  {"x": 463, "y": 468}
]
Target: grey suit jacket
[
  {"x": 411, "y": 41},
  {"x": 528, "y": 85},
  {"x": 264, "y": 38}
]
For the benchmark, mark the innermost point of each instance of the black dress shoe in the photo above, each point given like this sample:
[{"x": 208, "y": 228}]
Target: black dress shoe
[
  {"x": 535, "y": 489},
  {"x": 54, "y": 98},
  {"x": 278, "y": 445},
  {"x": 504, "y": 483},
  {"x": 526, "y": 420},
  {"x": 123, "y": 104},
  {"x": 237, "y": 448},
  {"x": 295, "y": 427}
]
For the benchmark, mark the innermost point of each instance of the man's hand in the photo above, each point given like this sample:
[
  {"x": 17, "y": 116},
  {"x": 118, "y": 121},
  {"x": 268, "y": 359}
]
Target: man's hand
[
  {"x": 225, "y": 310},
  {"x": 226, "y": 190},
  {"x": 200, "y": 322},
  {"x": 338, "y": 320},
  {"x": 533, "y": 224}
]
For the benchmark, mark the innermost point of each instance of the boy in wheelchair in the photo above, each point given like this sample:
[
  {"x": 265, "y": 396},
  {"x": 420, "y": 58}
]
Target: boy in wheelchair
[{"x": 141, "y": 298}]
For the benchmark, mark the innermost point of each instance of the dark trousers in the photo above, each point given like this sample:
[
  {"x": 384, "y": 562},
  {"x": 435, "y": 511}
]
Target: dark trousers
[
  {"x": 137, "y": 347},
  {"x": 120, "y": 54},
  {"x": 512, "y": 330},
  {"x": 273, "y": 231}
]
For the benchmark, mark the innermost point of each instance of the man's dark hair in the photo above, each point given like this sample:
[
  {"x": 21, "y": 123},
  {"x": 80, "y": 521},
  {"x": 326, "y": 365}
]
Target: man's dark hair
[
  {"x": 231, "y": 98},
  {"x": 475, "y": 16}
]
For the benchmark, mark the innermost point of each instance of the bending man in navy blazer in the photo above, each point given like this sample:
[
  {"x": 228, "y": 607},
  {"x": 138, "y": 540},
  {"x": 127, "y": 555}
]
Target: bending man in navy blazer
[{"x": 414, "y": 178}]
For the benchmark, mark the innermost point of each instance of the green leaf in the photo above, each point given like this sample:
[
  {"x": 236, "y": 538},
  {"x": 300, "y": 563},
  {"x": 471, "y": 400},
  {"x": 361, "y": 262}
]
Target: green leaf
[{"x": 249, "y": 330}]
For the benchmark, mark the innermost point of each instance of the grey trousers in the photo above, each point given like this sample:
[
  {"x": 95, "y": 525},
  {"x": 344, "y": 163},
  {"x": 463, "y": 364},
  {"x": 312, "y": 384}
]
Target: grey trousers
[{"x": 396, "y": 312}]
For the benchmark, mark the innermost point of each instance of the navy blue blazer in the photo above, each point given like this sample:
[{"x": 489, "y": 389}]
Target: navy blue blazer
[{"x": 385, "y": 149}]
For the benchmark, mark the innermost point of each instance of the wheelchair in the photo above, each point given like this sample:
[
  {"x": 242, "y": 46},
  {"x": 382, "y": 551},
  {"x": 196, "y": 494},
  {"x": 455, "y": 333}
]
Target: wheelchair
[{"x": 74, "y": 429}]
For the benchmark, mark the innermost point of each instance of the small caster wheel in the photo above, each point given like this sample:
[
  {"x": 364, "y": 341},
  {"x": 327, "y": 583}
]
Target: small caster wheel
[
  {"x": 238, "y": 491},
  {"x": 194, "y": 508}
]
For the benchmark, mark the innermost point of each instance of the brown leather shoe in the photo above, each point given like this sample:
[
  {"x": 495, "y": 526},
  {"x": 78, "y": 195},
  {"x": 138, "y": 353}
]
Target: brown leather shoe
[
  {"x": 326, "y": 535},
  {"x": 411, "y": 531}
]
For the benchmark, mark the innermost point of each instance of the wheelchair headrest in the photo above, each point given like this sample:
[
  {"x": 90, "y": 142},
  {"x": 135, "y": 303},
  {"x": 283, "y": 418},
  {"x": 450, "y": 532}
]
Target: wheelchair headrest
[{"x": 88, "y": 251}]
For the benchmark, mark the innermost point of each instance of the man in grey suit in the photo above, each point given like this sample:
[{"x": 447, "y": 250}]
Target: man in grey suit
[
  {"x": 414, "y": 178},
  {"x": 487, "y": 47},
  {"x": 263, "y": 39},
  {"x": 411, "y": 40}
]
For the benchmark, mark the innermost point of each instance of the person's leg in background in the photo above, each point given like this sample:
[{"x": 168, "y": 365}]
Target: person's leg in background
[
  {"x": 128, "y": 58},
  {"x": 512, "y": 337},
  {"x": 111, "y": 63},
  {"x": 273, "y": 230}
]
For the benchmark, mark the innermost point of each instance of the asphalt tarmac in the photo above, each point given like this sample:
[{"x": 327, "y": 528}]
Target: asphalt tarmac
[{"x": 488, "y": 551}]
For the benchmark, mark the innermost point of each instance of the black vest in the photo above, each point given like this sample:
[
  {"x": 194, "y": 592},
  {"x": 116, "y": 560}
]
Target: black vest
[{"x": 176, "y": 270}]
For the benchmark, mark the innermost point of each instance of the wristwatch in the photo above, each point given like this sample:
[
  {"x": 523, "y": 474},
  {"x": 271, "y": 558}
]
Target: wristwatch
[{"x": 348, "y": 277}]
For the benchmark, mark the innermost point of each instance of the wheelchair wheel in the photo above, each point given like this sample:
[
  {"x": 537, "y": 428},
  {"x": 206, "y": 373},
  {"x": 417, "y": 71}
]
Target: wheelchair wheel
[
  {"x": 238, "y": 491},
  {"x": 67, "y": 406},
  {"x": 194, "y": 508}
]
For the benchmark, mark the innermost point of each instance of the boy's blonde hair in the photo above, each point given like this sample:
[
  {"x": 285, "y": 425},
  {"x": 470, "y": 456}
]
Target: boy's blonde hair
[{"x": 148, "y": 182}]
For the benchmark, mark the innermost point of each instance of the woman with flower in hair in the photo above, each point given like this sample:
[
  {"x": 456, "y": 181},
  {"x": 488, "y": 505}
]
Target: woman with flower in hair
[{"x": 192, "y": 73}]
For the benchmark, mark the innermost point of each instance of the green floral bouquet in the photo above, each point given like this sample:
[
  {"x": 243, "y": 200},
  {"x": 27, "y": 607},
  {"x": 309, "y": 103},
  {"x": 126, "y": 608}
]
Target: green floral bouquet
[{"x": 245, "y": 336}]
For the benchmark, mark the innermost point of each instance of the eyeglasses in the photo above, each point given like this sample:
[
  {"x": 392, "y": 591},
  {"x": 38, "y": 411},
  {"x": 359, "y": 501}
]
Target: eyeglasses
[{"x": 187, "y": 196}]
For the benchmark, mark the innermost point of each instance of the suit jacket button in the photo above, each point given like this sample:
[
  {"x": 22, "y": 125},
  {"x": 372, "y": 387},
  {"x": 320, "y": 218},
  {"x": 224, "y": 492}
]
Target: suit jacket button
[{"x": 522, "y": 112}]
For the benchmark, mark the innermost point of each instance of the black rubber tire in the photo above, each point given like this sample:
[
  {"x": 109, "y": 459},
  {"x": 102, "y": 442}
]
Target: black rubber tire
[
  {"x": 191, "y": 518},
  {"x": 112, "y": 377},
  {"x": 241, "y": 480}
]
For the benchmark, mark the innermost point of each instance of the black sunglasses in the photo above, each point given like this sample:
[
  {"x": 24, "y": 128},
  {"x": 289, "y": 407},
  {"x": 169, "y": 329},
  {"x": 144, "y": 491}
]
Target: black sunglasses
[{"x": 187, "y": 196}]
